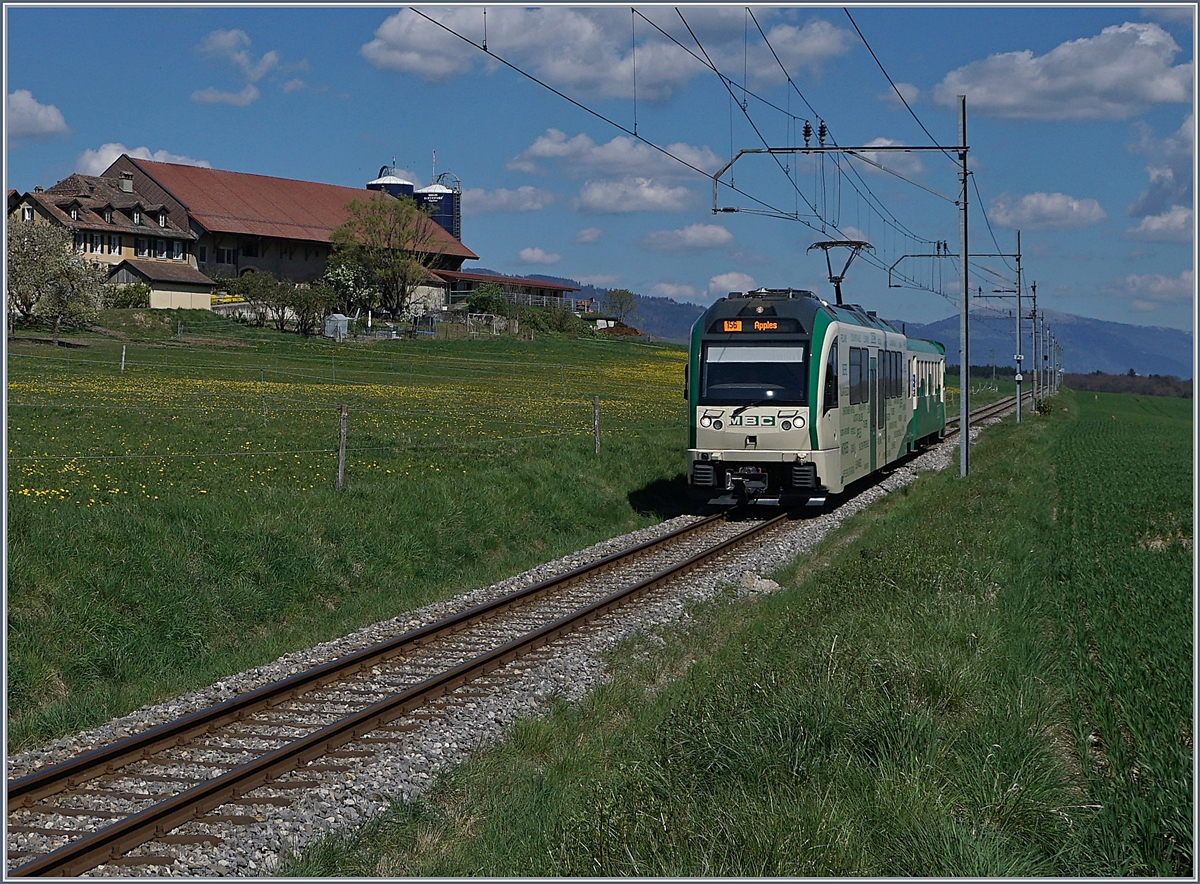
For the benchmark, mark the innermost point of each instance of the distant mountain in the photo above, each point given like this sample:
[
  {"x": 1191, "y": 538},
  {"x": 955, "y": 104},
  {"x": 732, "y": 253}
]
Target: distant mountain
[{"x": 1088, "y": 344}]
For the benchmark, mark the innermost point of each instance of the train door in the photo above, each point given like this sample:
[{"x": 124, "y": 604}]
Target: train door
[
  {"x": 873, "y": 394},
  {"x": 881, "y": 395}
]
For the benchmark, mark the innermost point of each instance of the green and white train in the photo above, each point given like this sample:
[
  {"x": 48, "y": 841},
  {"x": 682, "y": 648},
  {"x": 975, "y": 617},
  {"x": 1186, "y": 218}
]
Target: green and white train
[{"x": 791, "y": 398}]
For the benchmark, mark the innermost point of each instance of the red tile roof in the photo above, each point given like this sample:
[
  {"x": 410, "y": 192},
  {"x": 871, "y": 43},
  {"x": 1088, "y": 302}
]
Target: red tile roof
[
  {"x": 160, "y": 271},
  {"x": 505, "y": 280},
  {"x": 260, "y": 205}
]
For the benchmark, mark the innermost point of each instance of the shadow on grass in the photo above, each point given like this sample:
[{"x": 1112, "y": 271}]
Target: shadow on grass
[{"x": 666, "y": 498}]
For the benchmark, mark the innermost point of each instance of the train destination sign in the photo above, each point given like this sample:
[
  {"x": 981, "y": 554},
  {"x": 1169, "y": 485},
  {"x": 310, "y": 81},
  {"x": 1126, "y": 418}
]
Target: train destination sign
[{"x": 759, "y": 325}]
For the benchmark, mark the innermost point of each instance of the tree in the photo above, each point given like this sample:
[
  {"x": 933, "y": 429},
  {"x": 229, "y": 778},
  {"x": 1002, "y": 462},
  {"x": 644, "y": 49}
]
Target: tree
[
  {"x": 46, "y": 278},
  {"x": 488, "y": 298},
  {"x": 350, "y": 285},
  {"x": 394, "y": 241},
  {"x": 310, "y": 304},
  {"x": 621, "y": 303}
]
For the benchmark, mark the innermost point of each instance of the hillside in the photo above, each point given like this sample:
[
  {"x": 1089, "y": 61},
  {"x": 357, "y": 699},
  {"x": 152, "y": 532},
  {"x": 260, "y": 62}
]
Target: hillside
[{"x": 1088, "y": 344}]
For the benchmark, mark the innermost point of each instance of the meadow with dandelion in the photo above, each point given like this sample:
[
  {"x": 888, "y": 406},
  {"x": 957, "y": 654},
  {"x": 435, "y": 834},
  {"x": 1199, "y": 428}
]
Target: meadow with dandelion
[{"x": 172, "y": 513}]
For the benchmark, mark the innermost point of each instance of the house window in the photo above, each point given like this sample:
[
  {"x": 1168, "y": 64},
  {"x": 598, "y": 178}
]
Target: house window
[
  {"x": 74, "y": 214},
  {"x": 26, "y": 213},
  {"x": 202, "y": 254},
  {"x": 162, "y": 219},
  {"x": 114, "y": 245},
  {"x": 97, "y": 244},
  {"x": 108, "y": 216},
  {"x": 80, "y": 242},
  {"x": 250, "y": 250},
  {"x": 225, "y": 256},
  {"x": 160, "y": 248},
  {"x": 177, "y": 250},
  {"x": 140, "y": 248},
  {"x": 137, "y": 216}
]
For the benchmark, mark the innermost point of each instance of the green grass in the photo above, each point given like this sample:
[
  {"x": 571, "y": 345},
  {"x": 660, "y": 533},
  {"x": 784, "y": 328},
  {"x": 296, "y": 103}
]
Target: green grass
[
  {"x": 177, "y": 521},
  {"x": 917, "y": 701}
]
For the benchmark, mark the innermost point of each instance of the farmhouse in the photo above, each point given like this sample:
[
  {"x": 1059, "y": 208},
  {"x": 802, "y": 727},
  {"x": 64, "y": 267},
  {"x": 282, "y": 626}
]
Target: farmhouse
[{"x": 181, "y": 229}]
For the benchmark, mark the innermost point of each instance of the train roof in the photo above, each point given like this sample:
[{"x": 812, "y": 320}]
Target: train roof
[
  {"x": 802, "y": 305},
  {"x": 799, "y": 304}
]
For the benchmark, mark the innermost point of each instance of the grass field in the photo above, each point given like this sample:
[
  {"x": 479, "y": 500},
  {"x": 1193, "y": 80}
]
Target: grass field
[
  {"x": 175, "y": 520},
  {"x": 983, "y": 677}
]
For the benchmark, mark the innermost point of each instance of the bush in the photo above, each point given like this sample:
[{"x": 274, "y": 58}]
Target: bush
[
  {"x": 553, "y": 321},
  {"x": 488, "y": 298},
  {"x": 127, "y": 295}
]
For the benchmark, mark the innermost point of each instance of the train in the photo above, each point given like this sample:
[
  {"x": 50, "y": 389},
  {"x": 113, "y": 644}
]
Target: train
[{"x": 792, "y": 398}]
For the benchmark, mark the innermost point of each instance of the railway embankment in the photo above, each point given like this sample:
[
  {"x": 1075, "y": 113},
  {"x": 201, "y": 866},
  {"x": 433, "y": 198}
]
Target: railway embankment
[{"x": 978, "y": 678}]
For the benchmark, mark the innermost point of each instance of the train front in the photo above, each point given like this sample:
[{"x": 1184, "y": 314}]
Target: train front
[{"x": 749, "y": 391}]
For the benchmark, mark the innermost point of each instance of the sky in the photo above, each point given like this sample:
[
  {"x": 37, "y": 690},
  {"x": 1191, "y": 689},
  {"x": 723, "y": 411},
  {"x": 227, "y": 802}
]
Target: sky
[{"x": 1080, "y": 134}]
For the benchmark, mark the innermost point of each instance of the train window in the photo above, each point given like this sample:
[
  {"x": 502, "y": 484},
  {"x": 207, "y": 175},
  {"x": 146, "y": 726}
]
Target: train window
[
  {"x": 856, "y": 375},
  {"x": 830, "y": 394},
  {"x": 742, "y": 373}
]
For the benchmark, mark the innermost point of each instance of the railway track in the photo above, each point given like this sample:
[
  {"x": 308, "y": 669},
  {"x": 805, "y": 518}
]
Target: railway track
[
  {"x": 137, "y": 801},
  {"x": 121, "y": 805}
]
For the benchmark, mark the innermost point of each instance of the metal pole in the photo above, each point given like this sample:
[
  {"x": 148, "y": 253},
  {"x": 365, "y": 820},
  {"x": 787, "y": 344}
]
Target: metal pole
[
  {"x": 1033, "y": 346},
  {"x": 341, "y": 474},
  {"x": 596, "y": 421},
  {"x": 1018, "y": 356},
  {"x": 964, "y": 397}
]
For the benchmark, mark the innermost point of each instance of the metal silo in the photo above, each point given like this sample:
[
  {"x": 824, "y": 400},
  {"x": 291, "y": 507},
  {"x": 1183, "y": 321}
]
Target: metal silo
[
  {"x": 444, "y": 203},
  {"x": 388, "y": 182}
]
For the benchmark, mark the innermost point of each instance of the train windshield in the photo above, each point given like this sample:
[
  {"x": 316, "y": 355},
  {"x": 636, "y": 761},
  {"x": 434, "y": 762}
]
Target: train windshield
[{"x": 741, "y": 373}]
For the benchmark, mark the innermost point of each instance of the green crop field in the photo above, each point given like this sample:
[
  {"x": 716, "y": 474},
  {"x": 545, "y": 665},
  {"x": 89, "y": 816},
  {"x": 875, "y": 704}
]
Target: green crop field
[
  {"x": 175, "y": 519},
  {"x": 984, "y": 677}
]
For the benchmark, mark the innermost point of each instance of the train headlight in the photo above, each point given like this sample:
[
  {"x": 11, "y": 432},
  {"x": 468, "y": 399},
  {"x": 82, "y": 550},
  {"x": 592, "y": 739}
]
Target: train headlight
[
  {"x": 786, "y": 425},
  {"x": 706, "y": 422},
  {"x": 718, "y": 424}
]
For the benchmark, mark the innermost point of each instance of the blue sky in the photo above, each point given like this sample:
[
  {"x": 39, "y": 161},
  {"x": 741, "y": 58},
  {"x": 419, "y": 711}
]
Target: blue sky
[{"x": 1080, "y": 125}]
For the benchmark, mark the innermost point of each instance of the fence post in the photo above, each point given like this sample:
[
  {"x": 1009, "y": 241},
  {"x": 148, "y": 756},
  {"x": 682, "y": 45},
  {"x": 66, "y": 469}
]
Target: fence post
[
  {"x": 262, "y": 388},
  {"x": 122, "y": 359},
  {"x": 341, "y": 474},
  {"x": 596, "y": 421}
]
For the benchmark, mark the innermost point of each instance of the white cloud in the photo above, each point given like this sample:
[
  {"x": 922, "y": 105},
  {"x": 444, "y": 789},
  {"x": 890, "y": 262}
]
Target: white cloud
[
  {"x": 1170, "y": 170},
  {"x": 694, "y": 237},
  {"x": 293, "y": 85},
  {"x": 601, "y": 280},
  {"x": 1045, "y": 211},
  {"x": 724, "y": 283},
  {"x": 673, "y": 291},
  {"x": 588, "y": 234},
  {"x": 1177, "y": 224},
  {"x": 904, "y": 163},
  {"x": 248, "y": 95},
  {"x": 27, "y": 118},
  {"x": 93, "y": 162},
  {"x": 476, "y": 201},
  {"x": 588, "y": 51},
  {"x": 1111, "y": 76},
  {"x": 538, "y": 256},
  {"x": 910, "y": 92},
  {"x": 580, "y": 156},
  {"x": 632, "y": 195},
  {"x": 1154, "y": 291},
  {"x": 233, "y": 46}
]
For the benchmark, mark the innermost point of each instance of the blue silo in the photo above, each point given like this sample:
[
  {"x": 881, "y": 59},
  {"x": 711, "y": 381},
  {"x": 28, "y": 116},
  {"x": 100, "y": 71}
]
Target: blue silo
[
  {"x": 387, "y": 181},
  {"x": 443, "y": 203}
]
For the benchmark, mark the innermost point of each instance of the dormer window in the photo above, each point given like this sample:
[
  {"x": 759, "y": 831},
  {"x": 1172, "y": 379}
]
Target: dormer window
[
  {"x": 108, "y": 216},
  {"x": 162, "y": 219},
  {"x": 137, "y": 216},
  {"x": 74, "y": 213}
]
